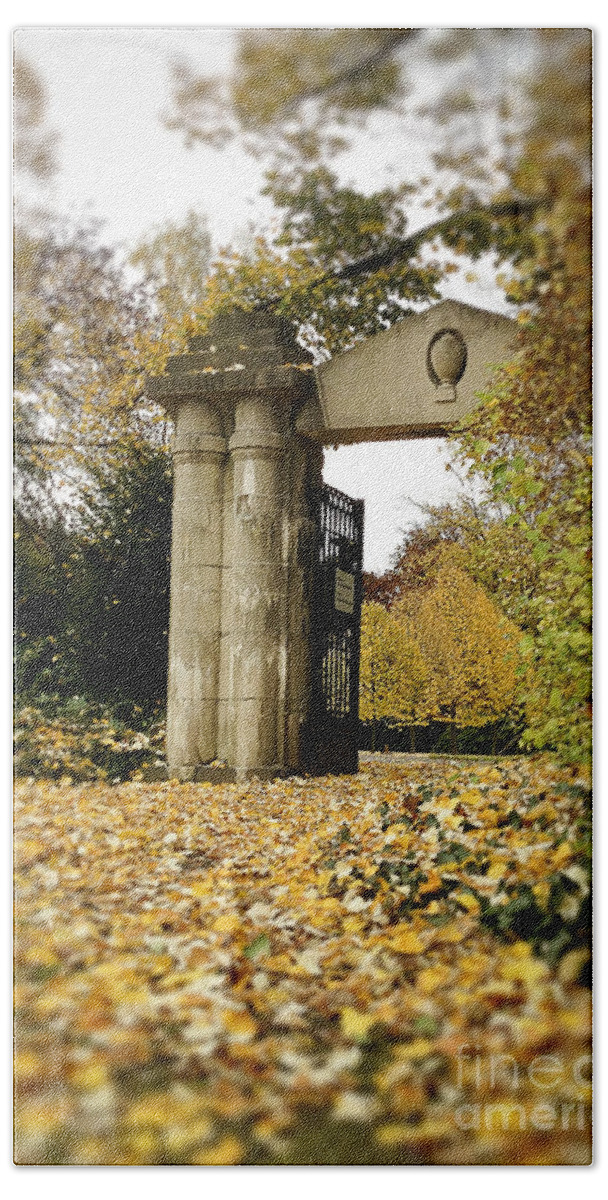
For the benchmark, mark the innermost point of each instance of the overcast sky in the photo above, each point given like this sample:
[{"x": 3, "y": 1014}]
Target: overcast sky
[{"x": 107, "y": 87}]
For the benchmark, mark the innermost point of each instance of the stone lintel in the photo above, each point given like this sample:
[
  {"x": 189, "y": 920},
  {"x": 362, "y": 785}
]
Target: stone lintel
[
  {"x": 326, "y": 436},
  {"x": 387, "y": 387}
]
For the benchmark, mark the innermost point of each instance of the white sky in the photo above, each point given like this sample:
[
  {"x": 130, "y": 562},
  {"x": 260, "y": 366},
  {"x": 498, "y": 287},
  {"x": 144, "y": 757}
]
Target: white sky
[{"x": 106, "y": 88}]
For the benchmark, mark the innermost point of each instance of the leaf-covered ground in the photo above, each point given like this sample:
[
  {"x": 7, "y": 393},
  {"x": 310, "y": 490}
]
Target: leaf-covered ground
[{"x": 380, "y": 968}]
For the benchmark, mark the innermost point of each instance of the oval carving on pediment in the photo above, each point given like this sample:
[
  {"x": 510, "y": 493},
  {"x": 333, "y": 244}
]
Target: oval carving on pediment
[{"x": 446, "y": 357}]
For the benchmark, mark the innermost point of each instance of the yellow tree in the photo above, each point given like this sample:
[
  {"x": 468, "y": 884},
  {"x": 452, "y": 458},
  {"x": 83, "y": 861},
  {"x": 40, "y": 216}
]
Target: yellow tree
[
  {"x": 469, "y": 649},
  {"x": 86, "y": 336},
  {"x": 531, "y": 436},
  {"x": 175, "y": 261},
  {"x": 393, "y": 676}
]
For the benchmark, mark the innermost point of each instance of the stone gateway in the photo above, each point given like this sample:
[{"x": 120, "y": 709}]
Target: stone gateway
[{"x": 251, "y": 417}]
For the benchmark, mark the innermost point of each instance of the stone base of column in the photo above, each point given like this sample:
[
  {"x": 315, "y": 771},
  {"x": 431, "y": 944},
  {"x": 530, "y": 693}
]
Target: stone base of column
[{"x": 160, "y": 773}]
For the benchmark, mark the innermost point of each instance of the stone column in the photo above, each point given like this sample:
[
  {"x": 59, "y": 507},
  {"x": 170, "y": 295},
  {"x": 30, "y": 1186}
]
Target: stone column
[
  {"x": 194, "y": 629},
  {"x": 258, "y": 588},
  {"x": 306, "y": 469},
  {"x": 236, "y": 519}
]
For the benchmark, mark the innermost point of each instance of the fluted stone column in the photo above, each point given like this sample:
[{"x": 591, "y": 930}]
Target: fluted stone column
[
  {"x": 305, "y": 474},
  {"x": 225, "y": 735},
  {"x": 258, "y": 588},
  {"x": 238, "y": 643},
  {"x": 199, "y": 454}
]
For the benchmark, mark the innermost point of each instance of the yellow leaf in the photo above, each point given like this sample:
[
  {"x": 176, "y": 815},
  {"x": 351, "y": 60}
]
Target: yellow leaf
[
  {"x": 432, "y": 977},
  {"x": 432, "y": 884},
  {"x": 201, "y": 889},
  {"x": 324, "y": 877},
  {"x": 391, "y": 1135},
  {"x": 571, "y": 965},
  {"x": 489, "y": 816},
  {"x": 224, "y": 1154},
  {"x": 162, "y": 963},
  {"x": 406, "y": 941},
  {"x": 239, "y": 1024},
  {"x": 142, "y": 1145},
  {"x": 474, "y": 964},
  {"x": 525, "y": 970},
  {"x": 398, "y": 834},
  {"x": 496, "y": 870},
  {"x": 151, "y": 1110},
  {"x": 541, "y": 891},
  {"x": 416, "y": 1049},
  {"x": 28, "y": 1066},
  {"x": 355, "y": 1025},
  {"x": 466, "y": 900},
  {"x": 520, "y": 950},
  {"x": 353, "y": 924},
  {"x": 448, "y": 933},
  {"x": 563, "y": 852},
  {"x": 227, "y": 923},
  {"x": 280, "y": 963},
  {"x": 90, "y": 1076}
]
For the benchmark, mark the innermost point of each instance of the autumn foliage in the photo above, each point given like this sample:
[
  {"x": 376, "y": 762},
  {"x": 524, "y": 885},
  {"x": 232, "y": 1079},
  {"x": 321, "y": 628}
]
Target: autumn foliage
[
  {"x": 393, "y": 680},
  {"x": 367, "y": 969},
  {"x": 443, "y": 653},
  {"x": 470, "y": 647},
  {"x": 289, "y": 972}
]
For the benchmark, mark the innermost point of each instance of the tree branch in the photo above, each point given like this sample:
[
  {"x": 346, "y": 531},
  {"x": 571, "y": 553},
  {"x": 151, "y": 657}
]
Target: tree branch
[
  {"x": 406, "y": 247},
  {"x": 394, "y": 39}
]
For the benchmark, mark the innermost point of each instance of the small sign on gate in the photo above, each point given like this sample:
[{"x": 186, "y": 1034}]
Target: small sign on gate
[{"x": 344, "y": 595}]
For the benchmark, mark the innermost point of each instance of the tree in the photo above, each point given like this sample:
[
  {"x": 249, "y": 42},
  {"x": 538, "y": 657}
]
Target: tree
[
  {"x": 93, "y": 475},
  {"x": 175, "y": 262},
  {"x": 299, "y": 95},
  {"x": 531, "y": 435},
  {"x": 120, "y": 581},
  {"x": 86, "y": 336},
  {"x": 393, "y": 673},
  {"x": 341, "y": 72},
  {"x": 81, "y": 328},
  {"x": 92, "y": 602},
  {"x": 361, "y": 274},
  {"x": 296, "y": 97},
  {"x": 469, "y": 648},
  {"x": 35, "y": 145},
  {"x": 477, "y": 536},
  {"x": 379, "y": 589},
  {"x": 46, "y": 658}
]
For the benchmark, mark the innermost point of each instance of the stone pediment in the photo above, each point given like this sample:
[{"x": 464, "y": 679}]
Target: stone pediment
[{"x": 415, "y": 379}]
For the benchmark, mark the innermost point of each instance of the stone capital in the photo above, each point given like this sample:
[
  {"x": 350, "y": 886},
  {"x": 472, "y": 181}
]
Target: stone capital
[{"x": 245, "y": 355}]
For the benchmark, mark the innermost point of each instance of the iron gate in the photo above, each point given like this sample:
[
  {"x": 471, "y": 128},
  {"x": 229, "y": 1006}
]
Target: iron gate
[{"x": 332, "y": 736}]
